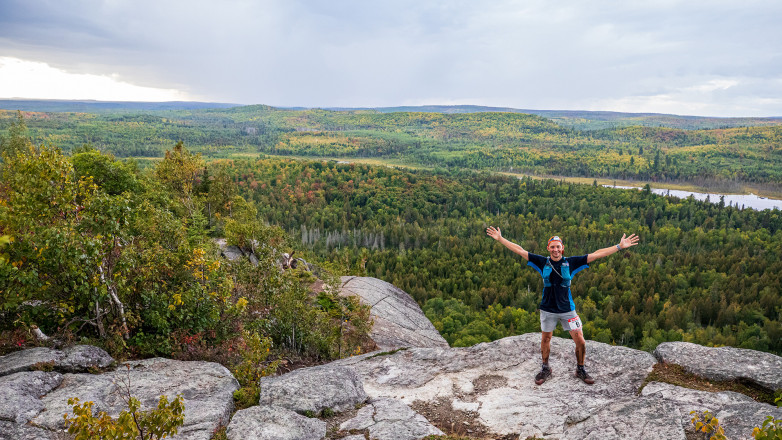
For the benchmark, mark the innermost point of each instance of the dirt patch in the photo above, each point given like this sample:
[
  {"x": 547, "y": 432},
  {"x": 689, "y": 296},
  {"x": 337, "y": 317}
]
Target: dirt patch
[
  {"x": 456, "y": 437},
  {"x": 488, "y": 382},
  {"x": 456, "y": 424},
  {"x": 677, "y": 375}
]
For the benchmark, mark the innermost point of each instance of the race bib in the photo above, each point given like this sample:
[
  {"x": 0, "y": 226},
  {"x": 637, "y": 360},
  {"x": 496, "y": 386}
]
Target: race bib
[{"x": 574, "y": 323}]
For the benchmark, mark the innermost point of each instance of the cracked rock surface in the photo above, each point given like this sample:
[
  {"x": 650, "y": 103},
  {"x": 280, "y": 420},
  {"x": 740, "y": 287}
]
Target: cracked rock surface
[
  {"x": 314, "y": 389},
  {"x": 274, "y": 423},
  {"x": 495, "y": 381},
  {"x": 390, "y": 419},
  {"x": 20, "y": 394},
  {"x": 492, "y": 385},
  {"x": 724, "y": 363},
  {"x": 399, "y": 321}
]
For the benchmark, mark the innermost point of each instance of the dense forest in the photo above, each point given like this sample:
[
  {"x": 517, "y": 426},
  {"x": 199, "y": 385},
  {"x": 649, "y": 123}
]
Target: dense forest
[
  {"x": 704, "y": 272},
  {"x": 492, "y": 141}
]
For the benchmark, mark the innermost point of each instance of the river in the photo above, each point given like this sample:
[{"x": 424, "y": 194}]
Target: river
[{"x": 738, "y": 200}]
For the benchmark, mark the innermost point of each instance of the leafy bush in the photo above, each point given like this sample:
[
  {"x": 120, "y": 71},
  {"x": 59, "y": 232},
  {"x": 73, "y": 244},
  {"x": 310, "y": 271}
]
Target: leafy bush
[
  {"x": 771, "y": 430},
  {"x": 134, "y": 423},
  {"x": 254, "y": 351},
  {"x": 706, "y": 422}
]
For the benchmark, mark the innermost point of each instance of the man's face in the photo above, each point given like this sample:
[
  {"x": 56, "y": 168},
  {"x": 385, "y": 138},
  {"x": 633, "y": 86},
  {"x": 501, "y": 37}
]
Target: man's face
[{"x": 555, "y": 249}]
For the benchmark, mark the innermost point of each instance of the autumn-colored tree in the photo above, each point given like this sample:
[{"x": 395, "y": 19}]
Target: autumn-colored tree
[{"x": 180, "y": 171}]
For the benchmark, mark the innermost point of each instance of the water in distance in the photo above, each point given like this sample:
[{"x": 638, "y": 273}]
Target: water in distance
[{"x": 737, "y": 200}]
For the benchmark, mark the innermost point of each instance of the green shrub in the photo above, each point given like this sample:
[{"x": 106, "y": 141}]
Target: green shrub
[
  {"x": 131, "y": 424},
  {"x": 254, "y": 351},
  {"x": 706, "y": 422},
  {"x": 771, "y": 430}
]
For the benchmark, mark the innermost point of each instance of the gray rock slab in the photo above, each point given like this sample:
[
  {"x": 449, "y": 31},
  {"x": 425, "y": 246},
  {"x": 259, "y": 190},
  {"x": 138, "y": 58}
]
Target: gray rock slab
[
  {"x": 16, "y": 431},
  {"x": 628, "y": 418},
  {"x": 20, "y": 394},
  {"x": 81, "y": 358},
  {"x": 513, "y": 403},
  {"x": 314, "y": 389},
  {"x": 207, "y": 389},
  {"x": 738, "y": 414},
  {"x": 274, "y": 423},
  {"x": 724, "y": 363},
  {"x": 399, "y": 321},
  {"x": 25, "y": 360},
  {"x": 390, "y": 419}
]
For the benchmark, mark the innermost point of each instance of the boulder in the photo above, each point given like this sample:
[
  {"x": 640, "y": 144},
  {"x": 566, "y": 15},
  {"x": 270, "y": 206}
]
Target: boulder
[
  {"x": 274, "y": 423},
  {"x": 724, "y": 363},
  {"x": 738, "y": 414},
  {"x": 314, "y": 389},
  {"x": 82, "y": 358},
  {"x": 399, "y": 321},
  {"x": 207, "y": 389},
  {"x": 26, "y": 360},
  {"x": 79, "y": 358},
  {"x": 20, "y": 394},
  {"x": 230, "y": 253},
  {"x": 390, "y": 419}
]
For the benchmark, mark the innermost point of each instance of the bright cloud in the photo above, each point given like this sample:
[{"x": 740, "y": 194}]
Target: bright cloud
[{"x": 34, "y": 80}]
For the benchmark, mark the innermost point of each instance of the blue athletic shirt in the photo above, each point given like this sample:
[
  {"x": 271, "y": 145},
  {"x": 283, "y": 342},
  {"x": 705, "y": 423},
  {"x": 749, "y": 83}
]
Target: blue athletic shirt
[{"x": 556, "y": 291}]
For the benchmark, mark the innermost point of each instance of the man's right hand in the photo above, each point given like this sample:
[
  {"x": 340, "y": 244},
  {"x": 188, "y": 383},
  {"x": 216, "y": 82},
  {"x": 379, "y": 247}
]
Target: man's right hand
[{"x": 493, "y": 232}]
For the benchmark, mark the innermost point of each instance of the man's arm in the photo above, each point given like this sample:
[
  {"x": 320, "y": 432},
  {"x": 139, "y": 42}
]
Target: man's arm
[
  {"x": 495, "y": 233},
  {"x": 624, "y": 243}
]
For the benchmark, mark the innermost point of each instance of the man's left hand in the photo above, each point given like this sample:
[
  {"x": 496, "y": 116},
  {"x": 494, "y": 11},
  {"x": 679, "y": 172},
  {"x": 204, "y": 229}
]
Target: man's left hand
[{"x": 626, "y": 242}]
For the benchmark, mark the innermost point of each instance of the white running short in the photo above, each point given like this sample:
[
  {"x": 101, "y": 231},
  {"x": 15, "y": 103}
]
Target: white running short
[{"x": 570, "y": 321}]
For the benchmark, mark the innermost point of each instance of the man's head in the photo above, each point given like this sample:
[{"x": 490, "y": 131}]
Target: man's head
[{"x": 555, "y": 247}]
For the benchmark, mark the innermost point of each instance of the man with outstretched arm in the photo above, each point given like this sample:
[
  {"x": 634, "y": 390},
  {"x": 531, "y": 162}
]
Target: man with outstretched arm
[{"x": 557, "y": 303}]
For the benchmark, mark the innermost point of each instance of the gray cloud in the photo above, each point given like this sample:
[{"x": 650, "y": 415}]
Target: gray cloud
[{"x": 709, "y": 57}]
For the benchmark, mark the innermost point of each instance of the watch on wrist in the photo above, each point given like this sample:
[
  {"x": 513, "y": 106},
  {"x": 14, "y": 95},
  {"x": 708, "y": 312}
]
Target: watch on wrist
[{"x": 619, "y": 247}]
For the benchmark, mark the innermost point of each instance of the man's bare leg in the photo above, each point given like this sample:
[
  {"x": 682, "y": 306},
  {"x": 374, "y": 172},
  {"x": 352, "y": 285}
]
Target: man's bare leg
[
  {"x": 545, "y": 345},
  {"x": 578, "y": 338},
  {"x": 545, "y": 349}
]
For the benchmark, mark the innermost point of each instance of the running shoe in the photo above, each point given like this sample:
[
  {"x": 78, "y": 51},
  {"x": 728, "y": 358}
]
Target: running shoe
[
  {"x": 583, "y": 375},
  {"x": 543, "y": 375}
]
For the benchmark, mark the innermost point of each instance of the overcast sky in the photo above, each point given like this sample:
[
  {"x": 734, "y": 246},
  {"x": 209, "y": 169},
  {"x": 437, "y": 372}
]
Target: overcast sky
[{"x": 691, "y": 57}]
